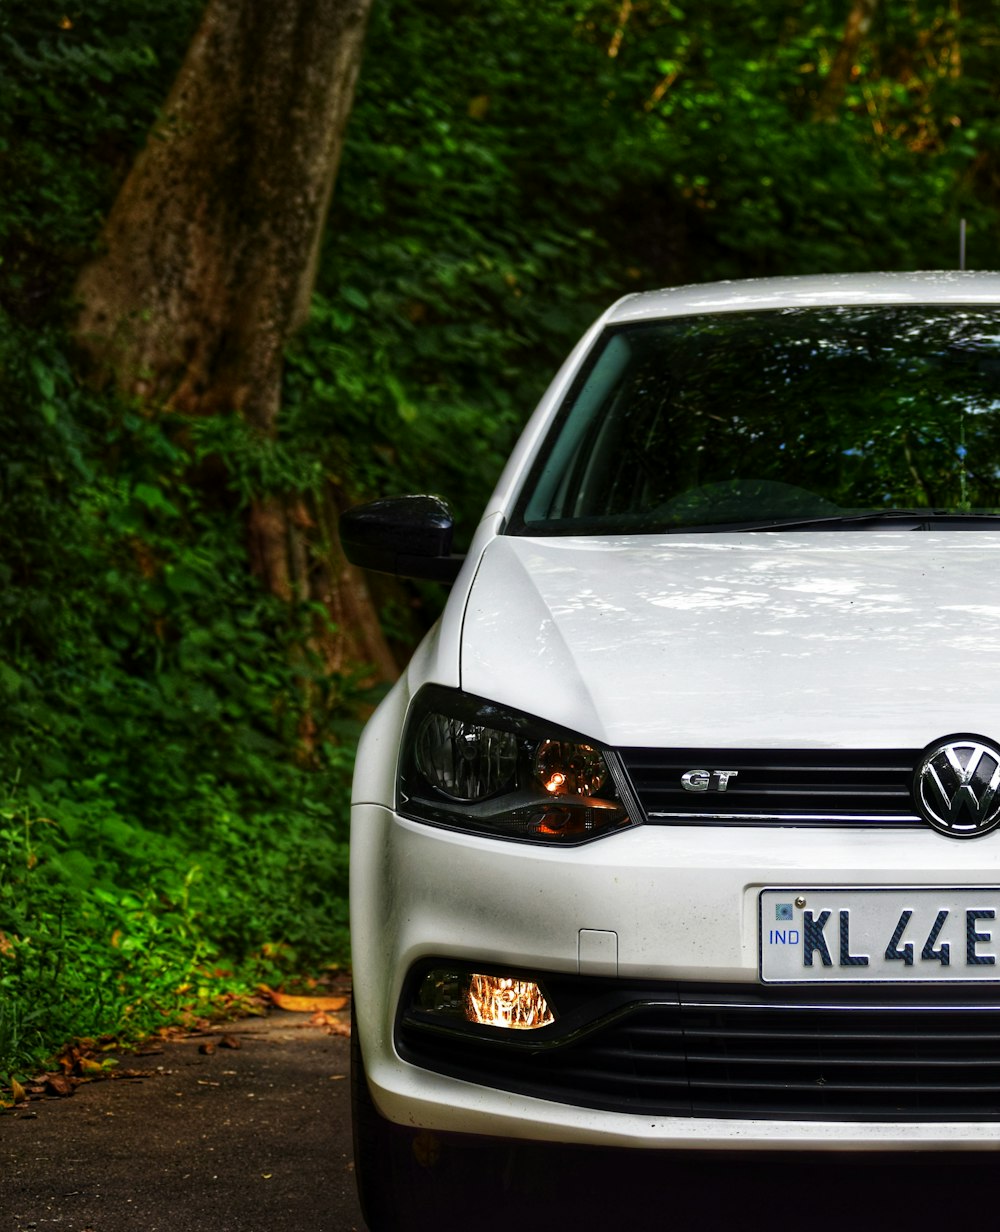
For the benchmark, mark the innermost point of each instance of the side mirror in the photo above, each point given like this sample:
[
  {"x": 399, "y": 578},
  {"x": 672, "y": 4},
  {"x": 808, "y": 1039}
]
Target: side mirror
[{"x": 406, "y": 535}]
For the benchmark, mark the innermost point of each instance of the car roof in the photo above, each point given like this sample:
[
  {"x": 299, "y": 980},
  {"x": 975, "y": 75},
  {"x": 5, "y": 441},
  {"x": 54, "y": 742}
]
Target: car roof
[{"x": 812, "y": 291}]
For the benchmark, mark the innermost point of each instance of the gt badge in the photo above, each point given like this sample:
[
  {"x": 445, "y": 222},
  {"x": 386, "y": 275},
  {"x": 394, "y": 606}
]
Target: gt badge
[{"x": 707, "y": 780}]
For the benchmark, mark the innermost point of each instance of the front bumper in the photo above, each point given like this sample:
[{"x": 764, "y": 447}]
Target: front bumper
[{"x": 672, "y": 909}]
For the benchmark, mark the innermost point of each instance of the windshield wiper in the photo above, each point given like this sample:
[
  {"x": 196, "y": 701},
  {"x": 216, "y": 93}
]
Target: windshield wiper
[{"x": 874, "y": 517}]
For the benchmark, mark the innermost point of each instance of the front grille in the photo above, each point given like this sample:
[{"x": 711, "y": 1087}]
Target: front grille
[
  {"x": 905, "y": 1055},
  {"x": 796, "y": 786}
]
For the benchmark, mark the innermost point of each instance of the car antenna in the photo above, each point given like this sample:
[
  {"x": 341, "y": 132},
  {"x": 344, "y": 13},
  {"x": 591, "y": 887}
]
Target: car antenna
[{"x": 961, "y": 244}]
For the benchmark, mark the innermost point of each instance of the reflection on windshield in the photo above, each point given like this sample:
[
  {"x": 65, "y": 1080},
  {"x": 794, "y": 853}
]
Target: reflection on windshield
[{"x": 785, "y": 415}]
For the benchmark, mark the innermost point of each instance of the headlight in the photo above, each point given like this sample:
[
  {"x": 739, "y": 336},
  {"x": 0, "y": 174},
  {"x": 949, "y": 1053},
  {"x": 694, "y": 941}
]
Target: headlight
[{"x": 475, "y": 766}]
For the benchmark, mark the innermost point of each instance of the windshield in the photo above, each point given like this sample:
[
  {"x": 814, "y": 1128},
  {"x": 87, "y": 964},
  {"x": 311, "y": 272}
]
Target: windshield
[{"x": 786, "y": 416}]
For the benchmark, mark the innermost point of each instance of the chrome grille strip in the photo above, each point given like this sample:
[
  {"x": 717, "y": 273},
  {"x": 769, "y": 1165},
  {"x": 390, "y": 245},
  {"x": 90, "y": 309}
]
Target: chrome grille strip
[{"x": 868, "y": 819}]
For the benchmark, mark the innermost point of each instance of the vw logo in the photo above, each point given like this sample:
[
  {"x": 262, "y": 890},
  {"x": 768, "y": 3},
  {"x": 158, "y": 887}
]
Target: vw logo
[{"x": 957, "y": 786}]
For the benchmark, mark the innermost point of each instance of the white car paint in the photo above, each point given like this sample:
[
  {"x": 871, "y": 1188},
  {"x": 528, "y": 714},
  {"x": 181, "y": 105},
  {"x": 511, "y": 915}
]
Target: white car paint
[{"x": 850, "y": 639}]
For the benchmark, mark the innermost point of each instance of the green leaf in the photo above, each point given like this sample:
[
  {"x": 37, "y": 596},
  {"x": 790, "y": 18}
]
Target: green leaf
[
  {"x": 404, "y": 407},
  {"x": 153, "y": 499},
  {"x": 356, "y": 298}
]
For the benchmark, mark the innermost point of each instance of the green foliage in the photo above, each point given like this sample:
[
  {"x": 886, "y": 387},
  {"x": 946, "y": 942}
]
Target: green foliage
[
  {"x": 108, "y": 926},
  {"x": 505, "y": 177},
  {"x": 476, "y": 189},
  {"x": 158, "y": 826},
  {"x": 79, "y": 86}
]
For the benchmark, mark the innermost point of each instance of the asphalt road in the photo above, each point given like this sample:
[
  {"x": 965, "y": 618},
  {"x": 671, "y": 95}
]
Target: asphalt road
[
  {"x": 258, "y": 1139},
  {"x": 255, "y": 1139}
]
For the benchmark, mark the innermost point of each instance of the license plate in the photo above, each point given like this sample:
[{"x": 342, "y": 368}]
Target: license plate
[{"x": 880, "y": 935}]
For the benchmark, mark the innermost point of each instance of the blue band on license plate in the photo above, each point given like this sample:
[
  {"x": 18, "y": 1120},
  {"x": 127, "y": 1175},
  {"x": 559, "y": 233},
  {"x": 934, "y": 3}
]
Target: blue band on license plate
[{"x": 853, "y": 935}]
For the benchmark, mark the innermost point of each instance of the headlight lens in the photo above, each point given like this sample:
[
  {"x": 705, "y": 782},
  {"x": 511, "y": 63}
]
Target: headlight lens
[
  {"x": 462, "y": 760},
  {"x": 471, "y": 765}
]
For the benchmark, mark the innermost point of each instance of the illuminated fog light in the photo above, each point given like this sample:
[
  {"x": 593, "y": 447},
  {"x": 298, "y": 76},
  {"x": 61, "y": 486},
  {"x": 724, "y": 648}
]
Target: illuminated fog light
[
  {"x": 488, "y": 1000},
  {"x": 499, "y": 1001}
]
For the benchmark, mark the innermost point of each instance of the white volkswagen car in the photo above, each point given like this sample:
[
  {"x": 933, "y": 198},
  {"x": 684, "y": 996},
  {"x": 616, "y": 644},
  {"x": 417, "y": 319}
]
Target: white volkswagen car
[{"x": 680, "y": 831}]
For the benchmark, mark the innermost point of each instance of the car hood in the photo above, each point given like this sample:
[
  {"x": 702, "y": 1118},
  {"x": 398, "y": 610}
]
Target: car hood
[{"x": 861, "y": 639}]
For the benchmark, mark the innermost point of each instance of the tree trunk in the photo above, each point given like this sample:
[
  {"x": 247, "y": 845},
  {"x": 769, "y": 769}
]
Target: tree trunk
[
  {"x": 210, "y": 249},
  {"x": 856, "y": 30},
  {"x": 209, "y": 253}
]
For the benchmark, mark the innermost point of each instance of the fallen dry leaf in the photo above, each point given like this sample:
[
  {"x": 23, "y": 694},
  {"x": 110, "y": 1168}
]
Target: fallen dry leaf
[
  {"x": 19, "y": 1093},
  {"x": 230, "y": 1041},
  {"x": 303, "y": 1005},
  {"x": 59, "y": 1084},
  {"x": 206, "y": 1050}
]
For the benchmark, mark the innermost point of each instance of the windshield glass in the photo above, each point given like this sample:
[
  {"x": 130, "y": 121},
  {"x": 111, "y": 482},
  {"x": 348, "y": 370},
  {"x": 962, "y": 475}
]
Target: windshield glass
[{"x": 779, "y": 416}]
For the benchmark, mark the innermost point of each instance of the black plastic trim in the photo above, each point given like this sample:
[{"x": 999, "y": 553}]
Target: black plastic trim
[
  {"x": 409, "y": 536},
  {"x": 777, "y": 787},
  {"x": 839, "y": 1053}
]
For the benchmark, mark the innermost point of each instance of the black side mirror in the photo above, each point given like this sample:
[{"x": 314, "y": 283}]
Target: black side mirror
[{"x": 406, "y": 535}]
